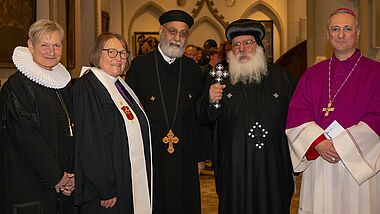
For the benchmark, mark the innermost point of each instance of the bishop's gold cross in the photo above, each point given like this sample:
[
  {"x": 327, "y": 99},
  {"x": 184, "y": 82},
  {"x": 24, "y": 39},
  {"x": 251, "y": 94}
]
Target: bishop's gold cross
[
  {"x": 170, "y": 139},
  {"x": 328, "y": 109}
]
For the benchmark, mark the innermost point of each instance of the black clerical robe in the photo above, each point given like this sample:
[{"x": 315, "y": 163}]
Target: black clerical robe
[
  {"x": 35, "y": 147},
  {"x": 102, "y": 160},
  {"x": 175, "y": 180},
  {"x": 252, "y": 176}
]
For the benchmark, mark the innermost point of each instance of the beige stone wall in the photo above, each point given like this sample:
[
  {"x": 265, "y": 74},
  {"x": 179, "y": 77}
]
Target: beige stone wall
[
  {"x": 294, "y": 20},
  {"x": 297, "y": 22},
  {"x": 142, "y": 15},
  {"x": 318, "y": 14},
  {"x": 129, "y": 16}
]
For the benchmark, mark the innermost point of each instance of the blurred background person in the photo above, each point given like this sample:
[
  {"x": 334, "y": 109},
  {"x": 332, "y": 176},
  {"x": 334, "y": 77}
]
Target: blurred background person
[
  {"x": 199, "y": 54},
  {"x": 113, "y": 155},
  {"x": 214, "y": 58},
  {"x": 207, "y": 45},
  {"x": 225, "y": 50},
  {"x": 191, "y": 52},
  {"x": 36, "y": 127}
]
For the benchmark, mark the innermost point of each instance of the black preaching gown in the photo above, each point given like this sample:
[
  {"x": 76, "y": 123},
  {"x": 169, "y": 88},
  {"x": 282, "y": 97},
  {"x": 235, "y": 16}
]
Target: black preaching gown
[
  {"x": 35, "y": 148},
  {"x": 175, "y": 180},
  {"x": 102, "y": 162},
  {"x": 252, "y": 177}
]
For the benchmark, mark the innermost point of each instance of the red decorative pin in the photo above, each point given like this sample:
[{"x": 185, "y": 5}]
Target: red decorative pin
[{"x": 127, "y": 112}]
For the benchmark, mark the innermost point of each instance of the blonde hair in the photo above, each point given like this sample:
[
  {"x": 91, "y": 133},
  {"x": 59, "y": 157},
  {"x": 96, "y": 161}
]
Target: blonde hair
[{"x": 42, "y": 27}]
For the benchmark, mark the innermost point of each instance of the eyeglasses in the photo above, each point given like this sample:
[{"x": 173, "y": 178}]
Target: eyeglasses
[
  {"x": 246, "y": 43},
  {"x": 337, "y": 29},
  {"x": 112, "y": 53},
  {"x": 173, "y": 31}
]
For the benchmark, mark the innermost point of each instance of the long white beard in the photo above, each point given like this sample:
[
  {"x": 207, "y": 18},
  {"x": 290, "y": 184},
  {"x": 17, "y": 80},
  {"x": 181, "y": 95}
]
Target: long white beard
[
  {"x": 248, "y": 72},
  {"x": 172, "y": 49}
]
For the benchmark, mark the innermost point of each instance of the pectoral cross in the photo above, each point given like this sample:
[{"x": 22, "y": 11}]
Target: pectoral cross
[
  {"x": 258, "y": 133},
  {"x": 170, "y": 139},
  {"x": 71, "y": 127},
  {"x": 328, "y": 109}
]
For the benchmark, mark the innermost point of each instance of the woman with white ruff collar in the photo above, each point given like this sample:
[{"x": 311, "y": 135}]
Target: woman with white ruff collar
[
  {"x": 36, "y": 127},
  {"x": 113, "y": 163}
]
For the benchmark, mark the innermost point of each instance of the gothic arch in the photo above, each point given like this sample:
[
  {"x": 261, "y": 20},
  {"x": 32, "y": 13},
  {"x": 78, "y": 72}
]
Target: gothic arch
[
  {"x": 150, "y": 7},
  {"x": 208, "y": 21},
  {"x": 211, "y": 7},
  {"x": 272, "y": 14}
]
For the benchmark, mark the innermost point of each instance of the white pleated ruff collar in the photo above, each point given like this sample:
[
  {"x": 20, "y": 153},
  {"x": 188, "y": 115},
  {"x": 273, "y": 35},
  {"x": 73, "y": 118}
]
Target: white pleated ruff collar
[{"x": 57, "y": 78}]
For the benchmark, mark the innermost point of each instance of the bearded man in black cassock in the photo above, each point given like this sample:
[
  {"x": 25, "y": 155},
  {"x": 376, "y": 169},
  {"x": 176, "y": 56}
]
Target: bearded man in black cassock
[
  {"x": 253, "y": 170},
  {"x": 168, "y": 85}
]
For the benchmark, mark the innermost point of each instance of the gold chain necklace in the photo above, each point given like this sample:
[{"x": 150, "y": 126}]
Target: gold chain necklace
[
  {"x": 329, "y": 107},
  {"x": 69, "y": 122}
]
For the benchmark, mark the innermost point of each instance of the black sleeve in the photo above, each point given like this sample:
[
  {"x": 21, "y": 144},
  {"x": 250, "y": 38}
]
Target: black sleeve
[
  {"x": 132, "y": 74},
  {"x": 206, "y": 113},
  {"x": 22, "y": 124},
  {"x": 93, "y": 137},
  {"x": 203, "y": 133}
]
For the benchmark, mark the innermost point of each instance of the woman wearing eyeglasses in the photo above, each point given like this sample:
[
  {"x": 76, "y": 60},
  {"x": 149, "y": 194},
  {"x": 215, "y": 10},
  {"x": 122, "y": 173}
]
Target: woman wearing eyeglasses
[{"x": 113, "y": 155}]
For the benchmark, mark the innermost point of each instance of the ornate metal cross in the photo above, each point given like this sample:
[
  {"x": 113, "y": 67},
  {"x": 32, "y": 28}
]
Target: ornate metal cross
[
  {"x": 328, "y": 109},
  {"x": 218, "y": 74},
  {"x": 170, "y": 139}
]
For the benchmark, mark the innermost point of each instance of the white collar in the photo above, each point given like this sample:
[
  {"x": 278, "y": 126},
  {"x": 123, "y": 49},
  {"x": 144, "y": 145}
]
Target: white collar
[
  {"x": 57, "y": 78},
  {"x": 166, "y": 58},
  {"x": 113, "y": 79},
  {"x": 86, "y": 68}
]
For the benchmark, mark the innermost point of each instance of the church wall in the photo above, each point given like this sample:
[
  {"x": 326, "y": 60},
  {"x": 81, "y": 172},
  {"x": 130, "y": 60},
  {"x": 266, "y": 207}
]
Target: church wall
[
  {"x": 128, "y": 16},
  {"x": 369, "y": 23},
  {"x": 88, "y": 20},
  {"x": 208, "y": 23},
  {"x": 115, "y": 12},
  {"x": 43, "y": 10},
  {"x": 211, "y": 18},
  {"x": 297, "y": 22},
  {"x": 319, "y": 12},
  {"x": 318, "y": 45},
  {"x": 55, "y": 10}
]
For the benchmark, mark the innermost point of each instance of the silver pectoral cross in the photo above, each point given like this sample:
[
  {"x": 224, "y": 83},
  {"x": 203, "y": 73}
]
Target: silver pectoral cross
[
  {"x": 218, "y": 74},
  {"x": 258, "y": 133}
]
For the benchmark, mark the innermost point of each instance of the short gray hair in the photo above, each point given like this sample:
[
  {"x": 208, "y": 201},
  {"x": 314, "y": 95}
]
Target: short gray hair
[
  {"x": 346, "y": 11},
  {"x": 42, "y": 27}
]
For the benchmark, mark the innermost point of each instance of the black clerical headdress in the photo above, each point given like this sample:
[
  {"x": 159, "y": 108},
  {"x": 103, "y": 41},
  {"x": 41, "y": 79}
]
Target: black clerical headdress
[
  {"x": 176, "y": 15},
  {"x": 246, "y": 27}
]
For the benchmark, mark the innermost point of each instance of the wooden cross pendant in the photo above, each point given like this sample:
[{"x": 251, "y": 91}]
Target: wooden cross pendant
[
  {"x": 328, "y": 109},
  {"x": 170, "y": 139}
]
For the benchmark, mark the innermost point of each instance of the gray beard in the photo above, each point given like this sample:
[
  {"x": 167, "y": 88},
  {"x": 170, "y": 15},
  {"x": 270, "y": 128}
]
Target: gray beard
[
  {"x": 248, "y": 72},
  {"x": 171, "y": 50}
]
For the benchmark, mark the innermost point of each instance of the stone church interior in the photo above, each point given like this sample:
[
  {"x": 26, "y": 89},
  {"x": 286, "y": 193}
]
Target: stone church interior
[
  {"x": 297, "y": 28},
  {"x": 296, "y": 34}
]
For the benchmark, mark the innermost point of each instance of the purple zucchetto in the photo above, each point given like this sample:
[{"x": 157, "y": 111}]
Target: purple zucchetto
[
  {"x": 246, "y": 27},
  {"x": 176, "y": 15},
  {"x": 344, "y": 10}
]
